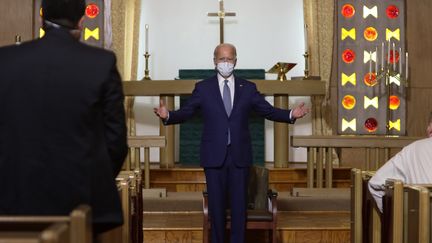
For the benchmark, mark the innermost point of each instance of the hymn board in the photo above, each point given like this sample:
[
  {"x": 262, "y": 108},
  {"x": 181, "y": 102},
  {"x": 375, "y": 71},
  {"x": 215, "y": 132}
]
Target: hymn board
[
  {"x": 372, "y": 67},
  {"x": 93, "y": 27}
]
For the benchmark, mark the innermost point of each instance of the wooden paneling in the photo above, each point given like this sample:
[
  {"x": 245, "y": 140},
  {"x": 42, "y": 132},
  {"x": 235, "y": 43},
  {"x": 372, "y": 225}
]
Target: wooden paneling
[
  {"x": 16, "y": 18},
  {"x": 419, "y": 107},
  {"x": 419, "y": 34},
  {"x": 419, "y": 41}
]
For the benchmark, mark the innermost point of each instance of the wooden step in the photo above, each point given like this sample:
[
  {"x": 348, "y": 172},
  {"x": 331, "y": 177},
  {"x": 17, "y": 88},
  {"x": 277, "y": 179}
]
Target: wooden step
[
  {"x": 280, "y": 179},
  {"x": 293, "y": 227},
  {"x": 338, "y": 200}
]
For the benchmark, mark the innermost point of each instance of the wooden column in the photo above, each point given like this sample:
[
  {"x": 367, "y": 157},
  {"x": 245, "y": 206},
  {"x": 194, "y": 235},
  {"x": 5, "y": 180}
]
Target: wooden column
[
  {"x": 281, "y": 135},
  {"x": 167, "y": 153}
]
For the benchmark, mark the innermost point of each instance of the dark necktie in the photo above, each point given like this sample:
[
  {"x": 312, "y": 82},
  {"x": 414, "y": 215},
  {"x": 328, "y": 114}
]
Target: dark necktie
[{"x": 227, "y": 103}]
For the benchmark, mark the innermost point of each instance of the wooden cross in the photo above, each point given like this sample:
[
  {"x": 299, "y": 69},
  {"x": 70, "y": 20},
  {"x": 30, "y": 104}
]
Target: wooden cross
[{"x": 221, "y": 14}]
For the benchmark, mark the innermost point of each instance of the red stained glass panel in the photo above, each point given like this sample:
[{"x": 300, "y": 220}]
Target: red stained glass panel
[
  {"x": 394, "y": 102},
  {"x": 394, "y": 58},
  {"x": 348, "y": 10},
  {"x": 348, "y": 56},
  {"x": 370, "y": 34},
  {"x": 392, "y": 11},
  {"x": 371, "y": 124},
  {"x": 92, "y": 11},
  {"x": 370, "y": 79},
  {"x": 348, "y": 102}
]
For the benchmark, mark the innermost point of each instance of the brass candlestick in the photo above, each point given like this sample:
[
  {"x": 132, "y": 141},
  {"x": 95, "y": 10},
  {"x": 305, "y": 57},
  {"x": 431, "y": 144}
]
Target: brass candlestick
[
  {"x": 306, "y": 71},
  {"x": 146, "y": 71},
  {"x": 307, "y": 75},
  {"x": 388, "y": 75},
  {"x": 17, "y": 39}
]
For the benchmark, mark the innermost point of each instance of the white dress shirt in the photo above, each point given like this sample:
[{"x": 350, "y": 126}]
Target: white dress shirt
[
  {"x": 231, "y": 86},
  {"x": 412, "y": 165}
]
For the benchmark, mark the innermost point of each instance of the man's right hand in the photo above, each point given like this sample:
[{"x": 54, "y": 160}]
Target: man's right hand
[{"x": 161, "y": 111}]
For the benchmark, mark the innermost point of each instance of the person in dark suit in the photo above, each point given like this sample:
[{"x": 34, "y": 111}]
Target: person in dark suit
[
  {"x": 226, "y": 102},
  {"x": 62, "y": 122}
]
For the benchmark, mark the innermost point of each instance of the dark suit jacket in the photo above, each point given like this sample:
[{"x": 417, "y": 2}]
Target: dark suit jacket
[
  {"x": 207, "y": 97},
  {"x": 62, "y": 128}
]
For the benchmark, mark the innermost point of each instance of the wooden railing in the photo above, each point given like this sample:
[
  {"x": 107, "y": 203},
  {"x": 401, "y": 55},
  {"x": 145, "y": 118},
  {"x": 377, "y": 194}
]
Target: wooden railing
[
  {"x": 145, "y": 142},
  {"x": 320, "y": 151},
  {"x": 168, "y": 89}
]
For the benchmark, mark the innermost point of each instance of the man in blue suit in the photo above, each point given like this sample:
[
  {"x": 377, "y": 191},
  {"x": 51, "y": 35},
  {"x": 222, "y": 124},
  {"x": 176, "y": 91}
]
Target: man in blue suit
[{"x": 226, "y": 102}]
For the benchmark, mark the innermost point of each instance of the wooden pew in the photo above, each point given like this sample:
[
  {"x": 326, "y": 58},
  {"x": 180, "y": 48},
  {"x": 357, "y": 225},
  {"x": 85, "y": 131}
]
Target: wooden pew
[
  {"x": 56, "y": 233},
  {"x": 121, "y": 234},
  {"x": 133, "y": 165},
  {"x": 356, "y": 206},
  {"x": 365, "y": 218},
  {"x": 406, "y": 212},
  {"x": 75, "y": 228},
  {"x": 417, "y": 215},
  {"x": 393, "y": 204},
  {"x": 130, "y": 186},
  {"x": 136, "y": 205}
]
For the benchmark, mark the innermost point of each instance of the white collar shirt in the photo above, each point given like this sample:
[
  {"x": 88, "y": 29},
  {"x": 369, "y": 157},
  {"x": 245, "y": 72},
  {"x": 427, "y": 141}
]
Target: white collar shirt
[{"x": 221, "y": 81}]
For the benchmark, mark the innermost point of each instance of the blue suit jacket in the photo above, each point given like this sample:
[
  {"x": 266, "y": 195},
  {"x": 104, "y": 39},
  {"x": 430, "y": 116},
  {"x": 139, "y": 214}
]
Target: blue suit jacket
[{"x": 207, "y": 97}]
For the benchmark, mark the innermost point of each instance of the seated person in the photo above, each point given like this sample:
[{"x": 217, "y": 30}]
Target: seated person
[{"x": 412, "y": 165}]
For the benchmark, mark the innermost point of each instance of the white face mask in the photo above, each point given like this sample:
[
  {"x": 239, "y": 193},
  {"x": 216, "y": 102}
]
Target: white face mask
[{"x": 225, "y": 69}]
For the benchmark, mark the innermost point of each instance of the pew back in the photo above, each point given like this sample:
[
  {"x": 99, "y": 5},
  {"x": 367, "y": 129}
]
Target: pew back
[
  {"x": 417, "y": 213},
  {"x": 365, "y": 218},
  {"x": 356, "y": 205},
  {"x": 122, "y": 234},
  {"x": 76, "y": 227},
  {"x": 56, "y": 233}
]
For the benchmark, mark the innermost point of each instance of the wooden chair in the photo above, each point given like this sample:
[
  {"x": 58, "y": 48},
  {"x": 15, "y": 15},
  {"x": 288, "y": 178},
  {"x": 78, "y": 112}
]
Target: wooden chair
[
  {"x": 75, "y": 228},
  {"x": 262, "y": 205}
]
